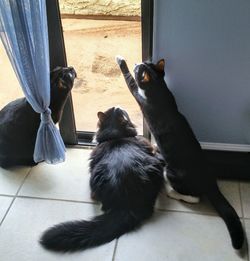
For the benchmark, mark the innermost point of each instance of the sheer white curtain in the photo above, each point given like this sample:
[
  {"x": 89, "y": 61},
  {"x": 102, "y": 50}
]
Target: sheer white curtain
[{"x": 24, "y": 33}]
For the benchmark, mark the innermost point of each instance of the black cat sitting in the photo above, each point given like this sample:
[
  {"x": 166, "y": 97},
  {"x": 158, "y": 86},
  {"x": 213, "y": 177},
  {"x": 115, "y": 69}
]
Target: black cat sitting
[
  {"x": 126, "y": 177},
  {"x": 187, "y": 169},
  {"x": 19, "y": 122}
]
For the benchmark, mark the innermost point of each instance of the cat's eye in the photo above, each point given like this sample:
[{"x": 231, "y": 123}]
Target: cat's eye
[
  {"x": 145, "y": 77},
  {"x": 61, "y": 84}
]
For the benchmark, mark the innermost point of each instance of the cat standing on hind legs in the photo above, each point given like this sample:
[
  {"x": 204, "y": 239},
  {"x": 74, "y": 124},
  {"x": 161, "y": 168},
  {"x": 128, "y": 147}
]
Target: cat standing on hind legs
[{"x": 187, "y": 169}]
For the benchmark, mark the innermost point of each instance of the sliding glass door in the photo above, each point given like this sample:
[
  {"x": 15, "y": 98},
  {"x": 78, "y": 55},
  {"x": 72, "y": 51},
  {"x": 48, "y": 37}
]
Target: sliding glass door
[{"x": 89, "y": 42}]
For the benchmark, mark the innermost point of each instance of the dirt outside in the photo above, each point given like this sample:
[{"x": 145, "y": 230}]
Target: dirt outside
[{"x": 91, "y": 47}]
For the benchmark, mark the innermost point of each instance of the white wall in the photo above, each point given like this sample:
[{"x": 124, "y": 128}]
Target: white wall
[{"x": 207, "y": 47}]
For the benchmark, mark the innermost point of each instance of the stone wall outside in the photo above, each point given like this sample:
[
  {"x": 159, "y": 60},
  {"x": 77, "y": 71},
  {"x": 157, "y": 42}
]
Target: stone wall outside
[{"x": 101, "y": 7}]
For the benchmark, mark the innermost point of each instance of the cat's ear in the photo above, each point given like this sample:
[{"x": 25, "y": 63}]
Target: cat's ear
[
  {"x": 145, "y": 77},
  {"x": 101, "y": 116},
  {"x": 160, "y": 65}
]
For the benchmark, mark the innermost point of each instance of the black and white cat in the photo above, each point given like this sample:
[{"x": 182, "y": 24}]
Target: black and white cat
[
  {"x": 187, "y": 169},
  {"x": 19, "y": 123},
  {"x": 126, "y": 177}
]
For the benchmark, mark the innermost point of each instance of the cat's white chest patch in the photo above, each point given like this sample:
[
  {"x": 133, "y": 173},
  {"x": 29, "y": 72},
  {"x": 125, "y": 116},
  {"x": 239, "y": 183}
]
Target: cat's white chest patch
[{"x": 142, "y": 93}]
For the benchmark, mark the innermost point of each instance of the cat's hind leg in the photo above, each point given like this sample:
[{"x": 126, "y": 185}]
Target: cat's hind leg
[
  {"x": 178, "y": 196},
  {"x": 174, "y": 186}
]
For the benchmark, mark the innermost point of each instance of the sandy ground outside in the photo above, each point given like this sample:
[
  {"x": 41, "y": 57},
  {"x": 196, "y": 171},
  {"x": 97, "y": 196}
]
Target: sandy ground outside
[
  {"x": 91, "y": 47},
  {"x": 9, "y": 86}
]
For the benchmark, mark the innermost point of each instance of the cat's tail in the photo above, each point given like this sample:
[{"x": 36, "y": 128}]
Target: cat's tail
[
  {"x": 229, "y": 215},
  {"x": 80, "y": 235}
]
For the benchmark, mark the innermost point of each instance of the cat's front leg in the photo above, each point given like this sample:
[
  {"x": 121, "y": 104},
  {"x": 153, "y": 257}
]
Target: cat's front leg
[{"x": 130, "y": 81}]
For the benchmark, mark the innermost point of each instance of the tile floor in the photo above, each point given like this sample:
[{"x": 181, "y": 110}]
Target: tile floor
[{"x": 32, "y": 199}]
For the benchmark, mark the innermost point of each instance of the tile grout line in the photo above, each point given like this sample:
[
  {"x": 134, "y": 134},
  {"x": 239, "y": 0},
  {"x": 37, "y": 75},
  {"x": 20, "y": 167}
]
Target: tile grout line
[
  {"x": 7, "y": 211},
  {"x": 93, "y": 203},
  {"x": 187, "y": 212},
  {"x": 115, "y": 248},
  {"x": 6, "y": 195},
  {"x": 23, "y": 182},
  {"x": 244, "y": 223},
  {"x": 241, "y": 203},
  {"x": 14, "y": 197},
  {"x": 58, "y": 199}
]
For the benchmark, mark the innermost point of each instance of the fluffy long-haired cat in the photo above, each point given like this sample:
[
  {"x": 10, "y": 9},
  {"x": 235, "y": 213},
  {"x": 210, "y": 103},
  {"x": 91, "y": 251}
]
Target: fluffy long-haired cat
[
  {"x": 19, "y": 122},
  {"x": 187, "y": 169},
  {"x": 126, "y": 177}
]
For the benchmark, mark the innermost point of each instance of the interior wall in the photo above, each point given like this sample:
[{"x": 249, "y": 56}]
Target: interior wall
[{"x": 206, "y": 45}]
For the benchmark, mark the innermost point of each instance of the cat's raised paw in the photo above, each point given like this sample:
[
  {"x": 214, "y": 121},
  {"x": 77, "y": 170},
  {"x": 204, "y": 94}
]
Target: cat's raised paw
[{"x": 119, "y": 59}]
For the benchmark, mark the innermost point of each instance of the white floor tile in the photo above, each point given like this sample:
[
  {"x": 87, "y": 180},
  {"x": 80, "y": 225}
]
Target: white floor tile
[
  {"x": 10, "y": 180},
  {"x": 247, "y": 228},
  {"x": 230, "y": 190},
  {"x": 68, "y": 180},
  {"x": 168, "y": 236},
  {"x": 4, "y": 205},
  {"x": 176, "y": 237},
  {"x": 28, "y": 218},
  {"x": 245, "y": 196}
]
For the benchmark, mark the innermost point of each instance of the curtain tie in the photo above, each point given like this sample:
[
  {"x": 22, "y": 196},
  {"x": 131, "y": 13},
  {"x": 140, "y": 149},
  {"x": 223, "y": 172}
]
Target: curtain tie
[{"x": 46, "y": 116}]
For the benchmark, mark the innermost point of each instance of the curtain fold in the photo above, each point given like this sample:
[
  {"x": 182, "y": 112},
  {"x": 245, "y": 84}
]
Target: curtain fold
[{"x": 24, "y": 33}]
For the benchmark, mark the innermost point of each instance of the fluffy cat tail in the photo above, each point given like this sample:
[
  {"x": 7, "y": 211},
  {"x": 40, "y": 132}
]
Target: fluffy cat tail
[
  {"x": 80, "y": 235},
  {"x": 229, "y": 215}
]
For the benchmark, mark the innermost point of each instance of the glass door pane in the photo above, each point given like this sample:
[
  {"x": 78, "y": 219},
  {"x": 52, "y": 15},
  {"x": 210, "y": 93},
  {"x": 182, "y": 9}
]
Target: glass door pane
[
  {"x": 91, "y": 46},
  {"x": 10, "y": 88}
]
